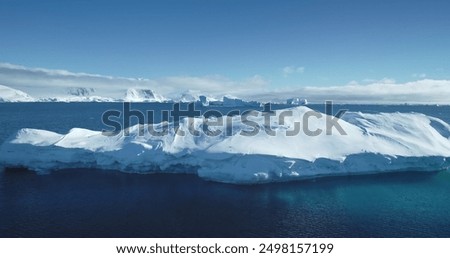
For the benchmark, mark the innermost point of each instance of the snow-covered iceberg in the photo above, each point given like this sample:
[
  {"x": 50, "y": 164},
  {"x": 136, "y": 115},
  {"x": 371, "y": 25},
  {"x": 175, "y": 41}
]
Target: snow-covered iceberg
[
  {"x": 236, "y": 102},
  {"x": 372, "y": 143}
]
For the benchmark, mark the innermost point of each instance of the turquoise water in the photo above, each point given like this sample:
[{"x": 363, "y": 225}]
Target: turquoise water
[{"x": 81, "y": 203}]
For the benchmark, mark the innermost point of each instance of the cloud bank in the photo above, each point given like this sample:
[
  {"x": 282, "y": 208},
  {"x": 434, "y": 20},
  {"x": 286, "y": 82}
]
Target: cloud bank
[
  {"x": 42, "y": 83},
  {"x": 424, "y": 91},
  {"x": 45, "y": 83}
]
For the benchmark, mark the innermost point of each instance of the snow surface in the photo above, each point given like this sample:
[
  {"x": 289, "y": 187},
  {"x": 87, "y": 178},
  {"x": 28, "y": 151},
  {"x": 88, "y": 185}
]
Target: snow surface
[
  {"x": 142, "y": 95},
  {"x": 79, "y": 94},
  {"x": 80, "y": 91},
  {"x": 297, "y": 101},
  {"x": 89, "y": 94},
  {"x": 375, "y": 143},
  {"x": 8, "y": 94}
]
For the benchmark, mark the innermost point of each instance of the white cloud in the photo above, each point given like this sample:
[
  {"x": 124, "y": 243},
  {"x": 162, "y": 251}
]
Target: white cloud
[
  {"x": 288, "y": 70},
  {"x": 38, "y": 82},
  {"x": 382, "y": 92},
  {"x": 371, "y": 81},
  {"x": 419, "y": 75}
]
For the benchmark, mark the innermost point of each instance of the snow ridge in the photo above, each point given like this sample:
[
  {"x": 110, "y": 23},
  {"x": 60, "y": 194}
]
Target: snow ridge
[{"x": 8, "y": 94}]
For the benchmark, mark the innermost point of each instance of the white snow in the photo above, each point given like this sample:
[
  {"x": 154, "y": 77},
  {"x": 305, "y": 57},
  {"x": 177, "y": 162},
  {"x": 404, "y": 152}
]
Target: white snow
[
  {"x": 77, "y": 99},
  {"x": 375, "y": 143},
  {"x": 8, "y": 94},
  {"x": 297, "y": 101},
  {"x": 188, "y": 96},
  {"x": 80, "y": 91},
  {"x": 142, "y": 95},
  {"x": 78, "y": 94}
]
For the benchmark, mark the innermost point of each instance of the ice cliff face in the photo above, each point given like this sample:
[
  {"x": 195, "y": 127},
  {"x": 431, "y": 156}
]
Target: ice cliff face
[{"x": 372, "y": 143}]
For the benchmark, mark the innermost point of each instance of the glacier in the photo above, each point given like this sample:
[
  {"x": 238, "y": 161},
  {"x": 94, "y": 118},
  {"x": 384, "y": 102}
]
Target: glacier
[
  {"x": 133, "y": 94},
  {"x": 142, "y": 95},
  {"x": 374, "y": 143},
  {"x": 8, "y": 94}
]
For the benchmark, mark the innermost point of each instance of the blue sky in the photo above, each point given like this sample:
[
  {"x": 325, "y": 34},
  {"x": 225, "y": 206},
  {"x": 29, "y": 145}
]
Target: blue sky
[{"x": 289, "y": 43}]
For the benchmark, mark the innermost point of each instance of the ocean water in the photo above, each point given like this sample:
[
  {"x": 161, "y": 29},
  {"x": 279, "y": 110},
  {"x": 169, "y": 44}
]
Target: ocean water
[{"x": 92, "y": 203}]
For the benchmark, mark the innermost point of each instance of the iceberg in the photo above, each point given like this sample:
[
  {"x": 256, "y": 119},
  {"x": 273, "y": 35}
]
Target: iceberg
[
  {"x": 236, "y": 102},
  {"x": 372, "y": 143}
]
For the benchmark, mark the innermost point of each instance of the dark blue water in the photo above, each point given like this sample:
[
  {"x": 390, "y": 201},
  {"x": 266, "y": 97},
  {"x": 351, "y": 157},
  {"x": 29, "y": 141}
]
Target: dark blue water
[{"x": 83, "y": 203}]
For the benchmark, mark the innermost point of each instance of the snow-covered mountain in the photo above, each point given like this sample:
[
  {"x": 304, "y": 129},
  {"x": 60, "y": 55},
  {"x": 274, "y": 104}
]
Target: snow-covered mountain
[
  {"x": 76, "y": 94},
  {"x": 142, "y": 95},
  {"x": 79, "y": 94},
  {"x": 79, "y": 91},
  {"x": 188, "y": 97},
  {"x": 196, "y": 96},
  {"x": 296, "y": 101},
  {"x": 8, "y": 94},
  {"x": 77, "y": 99},
  {"x": 87, "y": 94}
]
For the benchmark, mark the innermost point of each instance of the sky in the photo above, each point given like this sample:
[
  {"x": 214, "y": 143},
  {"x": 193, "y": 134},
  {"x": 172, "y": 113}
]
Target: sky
[{"x": 277, "y": 45}]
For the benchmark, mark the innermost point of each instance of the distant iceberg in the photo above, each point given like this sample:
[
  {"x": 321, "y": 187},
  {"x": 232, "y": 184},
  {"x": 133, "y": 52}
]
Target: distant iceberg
[
  {"x": 374, "y": 143},
  {"x": 236, "y": 102},
  {"x": 226, "y": 101}
]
